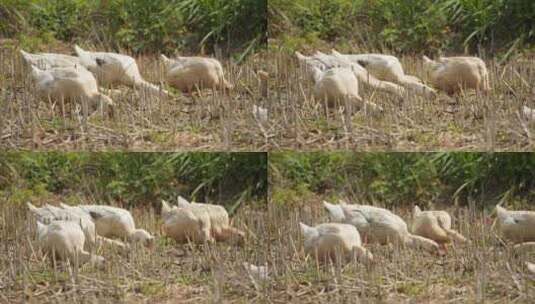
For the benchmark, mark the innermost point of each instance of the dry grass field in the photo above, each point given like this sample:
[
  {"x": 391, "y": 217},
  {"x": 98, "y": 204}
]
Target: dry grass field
[
  {"x": 216, "y": 121},
  {"x": 413, "y": 123},
  {"x": 206, "y": 121},
  {"x": 485, "y": 271},
  {"x": 169, "y": 273}
]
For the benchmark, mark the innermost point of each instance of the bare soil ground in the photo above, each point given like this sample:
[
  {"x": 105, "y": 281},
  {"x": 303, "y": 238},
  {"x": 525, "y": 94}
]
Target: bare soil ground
[
  {"x": 484, "y": 271},
  {"x": 200, "y": 121},
  {"x": 413, "y": 123}
]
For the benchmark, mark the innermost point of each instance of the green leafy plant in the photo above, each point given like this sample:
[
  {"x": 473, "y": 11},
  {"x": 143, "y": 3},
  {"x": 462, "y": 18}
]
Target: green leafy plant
[
  {"x": 142, "y": 26},
  {"x": 138, "y": 178},
  {"x": 395, "y": 179},
  {"x": 408, "y": 26}
]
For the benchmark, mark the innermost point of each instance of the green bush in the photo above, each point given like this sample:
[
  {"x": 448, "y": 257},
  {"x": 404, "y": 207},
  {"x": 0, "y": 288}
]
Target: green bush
[
  {"x": 315, "y": 171},
  {"x": 139, "y": 25},
  {"x": 404, "y": 178},
  {"x": 136, "y": 178},
  {"x": 408, "y": 26}
]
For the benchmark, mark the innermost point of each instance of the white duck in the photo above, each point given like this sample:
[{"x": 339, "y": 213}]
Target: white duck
[
  {"x": 184, "y": 203},
  {"x": 188, "y": 73},
  {"x": 379, "y": 225},
  {"x": 49, "y": 213},
  {"x": 453, "y": 74},
  {"x": 335, "y": 84},
  {"x": 517, "y": 226},
  {"x": 187, "y": 224},
  {"x": 46, "y": 61},
  {"x": 198, "y": 222},
  {"x": 65, "y": 240},
  {"x": 435, "y": 225},
  {"x": 112, "y": 68},
  {"x": 363, "y": 76},
  {"x": 388, "y": 68},
  {"x": 385, "y": 67},
  {"x": 113, "y": 222},
  {"x": 325, "y": 241},
  {"x": 338, "y": 84},
  {"x": 69, "y": 83},
  {"x": 218, "y": 214}
]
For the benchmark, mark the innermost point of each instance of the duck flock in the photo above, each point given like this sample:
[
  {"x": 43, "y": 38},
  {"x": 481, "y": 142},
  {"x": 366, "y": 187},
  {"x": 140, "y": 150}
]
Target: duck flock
[
  {"x": 341, "y": 239},
  {"x": 69, "y": 232},
  {"x": 65, "y": 77},
  {"x": 336, "y": 77}
]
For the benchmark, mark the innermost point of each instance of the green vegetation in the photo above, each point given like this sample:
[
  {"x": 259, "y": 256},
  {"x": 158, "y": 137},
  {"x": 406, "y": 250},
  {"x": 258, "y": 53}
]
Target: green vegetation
[
  {"x": 404, "y": 178},
  {"x": 133, "y": 178},
  {"x": 407, "y": 26},
  {"x": 139, "y": 25}
]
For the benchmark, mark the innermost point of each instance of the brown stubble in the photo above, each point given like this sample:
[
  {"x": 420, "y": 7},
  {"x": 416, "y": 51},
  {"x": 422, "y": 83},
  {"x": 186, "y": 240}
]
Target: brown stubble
[
  {"x": 219, "y": 120},
  {"x": 484, "y": 269}
]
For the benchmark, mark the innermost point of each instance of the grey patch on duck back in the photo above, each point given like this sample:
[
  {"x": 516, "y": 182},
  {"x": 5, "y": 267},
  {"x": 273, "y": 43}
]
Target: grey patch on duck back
[
  {"x": 362, "y": 63},
  {"x": 95, "y": 215},
  {"x": 100, "y": 61}
]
